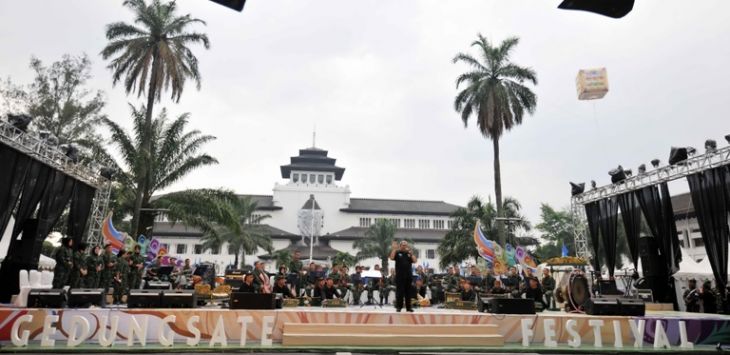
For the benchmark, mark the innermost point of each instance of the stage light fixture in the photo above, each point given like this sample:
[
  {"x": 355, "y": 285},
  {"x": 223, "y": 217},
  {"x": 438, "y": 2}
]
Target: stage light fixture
[
  {"x": 628, "y": 172},
  {"x": 232, "y": 4},
  {"x": 727, "y": 138},
  {"x": 71, "y": 152},
  {"x": 107, "y": 172},
  {"x": 577, "y": 189},
  {"x": 20, "y": 122},
  {"x": 691, "y": 151},
  {"x": 610, "y": 8},
  {"x": 655, "y": 163},
  {"x": 617, "y": 175},
  {"x": 710, "y": 145},
  {"x": 593, "y": 184},
  {"x": 642, "y": 168},
  {"x": 677, "y": 155}
]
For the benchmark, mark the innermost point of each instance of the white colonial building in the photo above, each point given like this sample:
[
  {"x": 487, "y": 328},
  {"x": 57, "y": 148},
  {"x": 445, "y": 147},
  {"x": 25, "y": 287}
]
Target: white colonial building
[{"x": 312, "y": 201}]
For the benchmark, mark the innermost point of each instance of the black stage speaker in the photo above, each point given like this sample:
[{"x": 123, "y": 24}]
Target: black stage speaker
[
  {"x": 245, "y": 300},
  {"x": 47, "y": 298},
  {"x": 608, "y": 287},
  {"x": 602, "y": 307},
  {"x": 85, "y": 297},
  {"x": 234, "y": 278},
  {"x": 615, "y": 307},
  {"x": 158, "y": 285},
  {"x": 632, "y": 307},
  {"x": 511, "y": 306},
  {"x": 144, "y": 299},
  {"x": 179, "y": 299}
]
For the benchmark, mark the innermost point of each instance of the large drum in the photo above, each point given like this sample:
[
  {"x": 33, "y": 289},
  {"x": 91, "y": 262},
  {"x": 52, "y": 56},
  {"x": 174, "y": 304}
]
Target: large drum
[{"x": 573, "y": 290}]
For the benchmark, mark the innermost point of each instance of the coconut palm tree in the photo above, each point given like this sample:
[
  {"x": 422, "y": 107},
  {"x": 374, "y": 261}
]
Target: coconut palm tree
[
  {"x": 495, "y": 94},
  {"x": 377, "y": 242},
  {"x": 175, "y": 153},
  {"x": 224, "y": 218},
  {"x": 344, "y": 258},
  {"x": 151, "y": 55}
]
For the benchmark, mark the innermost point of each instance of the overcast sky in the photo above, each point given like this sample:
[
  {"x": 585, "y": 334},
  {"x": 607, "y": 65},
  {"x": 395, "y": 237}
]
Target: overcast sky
[{"x": 376, "y": 79}]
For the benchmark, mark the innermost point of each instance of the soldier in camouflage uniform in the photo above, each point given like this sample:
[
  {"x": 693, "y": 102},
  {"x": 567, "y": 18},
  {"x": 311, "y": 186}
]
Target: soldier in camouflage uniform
[
  {"x": 135, "y": 274},
  {"x": 94, "y": 267},
  {"x": 110, "y": 264},
  {"x": 121, "y": 277},
  {"x": 451, "y": 281},
  {"x": 79, "y": 271},
  {"x": 64, "y": 263}
]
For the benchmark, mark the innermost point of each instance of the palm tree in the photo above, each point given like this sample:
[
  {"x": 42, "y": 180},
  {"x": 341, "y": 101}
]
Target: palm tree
[
  {"x": 151, "y": 55},
  {"x": 496, "y": 96},
  {"x": 377, "y": 242},
  {"x": 344, "y": 258},
  {"x": 175, "y": 153},
  {"x": 224, "y": 218}
]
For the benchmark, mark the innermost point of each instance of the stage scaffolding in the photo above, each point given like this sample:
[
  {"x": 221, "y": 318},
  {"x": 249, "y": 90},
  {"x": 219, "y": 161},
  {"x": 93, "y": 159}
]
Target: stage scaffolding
[
  {"x": 51, "y": 155},
  {"x": 692, "y": 165}
]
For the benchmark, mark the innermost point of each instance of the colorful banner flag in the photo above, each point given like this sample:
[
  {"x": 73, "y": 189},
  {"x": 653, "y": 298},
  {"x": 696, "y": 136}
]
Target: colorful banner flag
[
  {"x": 485, "y": 247},
  {"x": 509, "y": 252},
  {"x": 564, "y": 250},
  {"x": 525, "y": 259},
  {"x": 111, "y": 235}
]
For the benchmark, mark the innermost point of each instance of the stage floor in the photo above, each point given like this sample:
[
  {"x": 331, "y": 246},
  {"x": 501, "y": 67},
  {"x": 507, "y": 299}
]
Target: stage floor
[{"x": 264, "y": 329}]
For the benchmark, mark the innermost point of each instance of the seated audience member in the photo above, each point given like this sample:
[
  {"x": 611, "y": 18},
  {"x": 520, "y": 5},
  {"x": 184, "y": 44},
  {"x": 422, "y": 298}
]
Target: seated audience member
[
  {"x": 708, "y": 299},
  {"x": 330, "y": 291},
  {"x": 548, "y": 286},
  {"x": 512, "y": 281},
  {"x": 533, "y": 291},
  {"x": 467, "y": 292},
  {"x": 318, "y": 290},
  {"x": 498, "y": 289},
  {"x": 420, "y": 291},
  {"x": 487, "y": 281},
  {"x": 248, "y": 285},
  {"x": 281, "y": 287}
]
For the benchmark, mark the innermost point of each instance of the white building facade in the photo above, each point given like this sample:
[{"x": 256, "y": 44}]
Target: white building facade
[{"x": 340, "y": 219}]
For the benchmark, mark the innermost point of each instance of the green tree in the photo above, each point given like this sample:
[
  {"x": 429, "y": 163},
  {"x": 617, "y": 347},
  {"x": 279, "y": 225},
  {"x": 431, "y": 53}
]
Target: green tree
[
  {"x": 175, "y": 153},
  {"x": 59, "y": 101},
  {"x": 556, "y": 228},
  {"x": 152, "y": 55},
  {"x": 223, "y": 217},
  {"x": 495, "y": 95},
  {"x": 458, "y": 244},
  {"x": 377, "y": 243},
  {"x": 283, "y": 257},
  {"x": 344, "y": 258}
]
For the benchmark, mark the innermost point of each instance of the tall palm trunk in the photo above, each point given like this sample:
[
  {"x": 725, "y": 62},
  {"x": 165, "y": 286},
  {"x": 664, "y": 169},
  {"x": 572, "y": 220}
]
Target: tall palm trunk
[
  {"x": 146, "y": 151},
  {"x": 498, "y": 191}
]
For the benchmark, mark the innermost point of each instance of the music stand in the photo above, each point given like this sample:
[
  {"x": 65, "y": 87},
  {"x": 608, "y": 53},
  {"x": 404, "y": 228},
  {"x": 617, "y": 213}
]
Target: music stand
[{"x": 376, "y": 275}]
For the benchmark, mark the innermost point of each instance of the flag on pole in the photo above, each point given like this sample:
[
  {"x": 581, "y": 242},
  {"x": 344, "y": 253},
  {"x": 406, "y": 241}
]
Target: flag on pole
[{"x": 564, "y": 250}]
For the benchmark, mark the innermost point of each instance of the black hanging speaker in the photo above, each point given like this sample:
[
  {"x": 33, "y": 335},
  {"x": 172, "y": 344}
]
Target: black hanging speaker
[
  {"x": 610, "y": 8},
  {"x": 85, "y": 297},
  {"x": 179, "y": 299},
  {"x": 233, "y": 4},
  {"x": 677, "y": 155},
  {"x": 144, "y": 299},
  {"x": 47, "y": 298}
]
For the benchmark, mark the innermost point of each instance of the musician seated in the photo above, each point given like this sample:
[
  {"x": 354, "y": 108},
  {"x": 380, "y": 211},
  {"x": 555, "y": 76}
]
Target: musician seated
[
  {"x": 330, "y": 291},
  {"x": 533, "y": 291},
  {"x": 248, "y": 285},
  {"x": 467, "y": 292},
  {"x": 498, "y": 288},
  {"x": 281, "y": 287},
  {"x": 318, "y": 290}
]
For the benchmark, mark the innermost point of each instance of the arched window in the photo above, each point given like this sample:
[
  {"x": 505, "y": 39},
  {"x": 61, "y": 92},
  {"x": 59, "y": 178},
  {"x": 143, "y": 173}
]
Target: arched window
[
  {"x": 295, "y": 177},
  {"x": 329, "y": 179},
  {"x": 304, "y": 178},
  {"x": 320, "y": 179}
]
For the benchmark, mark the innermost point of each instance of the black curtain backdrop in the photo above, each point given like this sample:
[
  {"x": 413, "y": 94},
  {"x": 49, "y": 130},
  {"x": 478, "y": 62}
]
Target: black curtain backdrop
[
  {"x": 12, "y": 176},
  {"x": 670, "y": 243},
  {"x": 651, "y": 206},
  {"x": 631, "y": 217},
  {"x": 79, "y": 211},
  {"x": 608, "y": 225},
  {"x": 37, "y": 179},
  {"x": 53, "y": 203},
  {"x": 710, "y": 199},
  {"x": 593, "y": 212}
]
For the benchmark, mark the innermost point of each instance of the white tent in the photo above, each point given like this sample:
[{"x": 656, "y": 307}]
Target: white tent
[
  {"x": 689, "y": 269},
  {"x": 46, "y": 263}
]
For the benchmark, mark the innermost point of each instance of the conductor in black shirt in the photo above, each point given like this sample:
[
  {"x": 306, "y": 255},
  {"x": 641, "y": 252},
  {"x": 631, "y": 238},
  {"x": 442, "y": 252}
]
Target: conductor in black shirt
[{"x": 404, "y": 259}]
